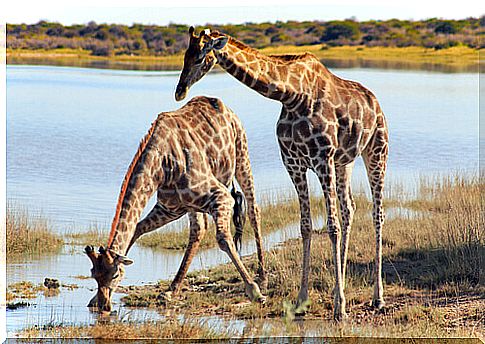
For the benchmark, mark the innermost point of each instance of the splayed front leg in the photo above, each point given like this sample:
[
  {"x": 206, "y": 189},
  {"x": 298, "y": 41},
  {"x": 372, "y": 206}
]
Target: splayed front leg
[{"x": 198, "y": 228}]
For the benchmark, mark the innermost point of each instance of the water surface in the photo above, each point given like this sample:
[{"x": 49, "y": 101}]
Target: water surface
[{"x": 72, "y": 132}]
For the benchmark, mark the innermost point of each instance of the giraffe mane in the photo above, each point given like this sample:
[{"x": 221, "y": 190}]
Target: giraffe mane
[
  {"x": 292, "y": 57},
  {"x": 126, "y": 181},
  {"x": 280, "y": 57}
]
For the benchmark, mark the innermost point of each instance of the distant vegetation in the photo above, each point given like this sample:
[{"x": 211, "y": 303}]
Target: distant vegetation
[{"x": 138, "y": 39}]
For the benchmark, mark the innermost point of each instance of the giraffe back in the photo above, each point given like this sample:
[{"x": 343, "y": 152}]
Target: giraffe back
[{"x": 196, "y": 146}]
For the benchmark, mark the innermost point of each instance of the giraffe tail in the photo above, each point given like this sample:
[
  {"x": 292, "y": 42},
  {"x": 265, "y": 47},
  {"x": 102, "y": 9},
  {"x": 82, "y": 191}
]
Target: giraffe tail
[{"x": 238, "y": 216}]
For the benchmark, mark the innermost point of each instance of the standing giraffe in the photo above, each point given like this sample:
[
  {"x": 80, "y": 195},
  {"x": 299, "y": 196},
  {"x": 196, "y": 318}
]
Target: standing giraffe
[
  {"x": 326, "y": 122},
  {"x": 189, "y": 157}
]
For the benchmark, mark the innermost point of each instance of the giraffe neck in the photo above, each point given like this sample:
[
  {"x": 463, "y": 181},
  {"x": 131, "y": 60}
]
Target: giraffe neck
[
  {"x": 136, "y": 190},
  {"x": 272, "y": 77}
]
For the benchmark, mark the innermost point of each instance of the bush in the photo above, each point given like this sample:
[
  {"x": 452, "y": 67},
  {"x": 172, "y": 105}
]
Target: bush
[
  {"x": 447, "y": 27},
  {"x": 340, "y": 30}
]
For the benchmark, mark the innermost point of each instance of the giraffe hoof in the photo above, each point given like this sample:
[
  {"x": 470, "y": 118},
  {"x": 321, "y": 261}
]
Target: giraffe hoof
[
  {"x": 262, "y": 281},
  {"x": 302, "y": 306},
  {"x": 340, "y": 316},
  {"x": 261, "y": 299},
  {"x": 164, "y": 297},
  {"x": 378, "y": 304}
]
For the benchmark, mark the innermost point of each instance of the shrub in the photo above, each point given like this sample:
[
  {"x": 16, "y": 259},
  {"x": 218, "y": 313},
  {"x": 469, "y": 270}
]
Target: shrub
[
  {"x": 339, "y": 30},
  {"x": 446, "y": 27}
]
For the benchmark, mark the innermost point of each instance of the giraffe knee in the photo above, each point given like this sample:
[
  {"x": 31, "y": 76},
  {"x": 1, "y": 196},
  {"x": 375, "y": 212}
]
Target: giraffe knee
[
  {"x": 333, "y": 232},
  {"x": 223, "y": 242},
  {"x": 255, "y": 216},
  {"x": 305, "y": 228}
]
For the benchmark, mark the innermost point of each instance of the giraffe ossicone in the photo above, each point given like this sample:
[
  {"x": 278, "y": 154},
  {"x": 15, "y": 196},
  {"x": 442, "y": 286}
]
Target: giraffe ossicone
[
  {"x": 189, "y": 158},
  {"x": 326, "y": 122}
]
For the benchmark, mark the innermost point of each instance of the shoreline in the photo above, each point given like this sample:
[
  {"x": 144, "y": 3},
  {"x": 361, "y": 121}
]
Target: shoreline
[{"x": 455, "y": 59}]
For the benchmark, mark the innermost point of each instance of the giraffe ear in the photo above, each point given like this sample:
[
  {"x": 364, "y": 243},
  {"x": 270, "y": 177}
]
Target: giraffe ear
[
  {"x": 124, "y": 260},
  {"x": 219, "y": 42},
  {"x": 119, "y": 259}
]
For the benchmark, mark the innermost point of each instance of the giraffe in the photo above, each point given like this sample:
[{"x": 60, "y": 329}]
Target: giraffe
[
  {"x": 189, "y": 157},
  {"x": 325, "y": 123}
]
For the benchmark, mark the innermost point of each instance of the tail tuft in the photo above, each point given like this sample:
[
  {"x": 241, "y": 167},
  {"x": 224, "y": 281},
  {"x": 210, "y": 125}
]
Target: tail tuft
[{"x": 238, "y": 216}]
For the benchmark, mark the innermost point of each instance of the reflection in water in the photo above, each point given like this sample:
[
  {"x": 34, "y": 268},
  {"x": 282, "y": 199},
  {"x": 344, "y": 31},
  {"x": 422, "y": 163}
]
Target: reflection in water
[{"x": 160, "y": 66}]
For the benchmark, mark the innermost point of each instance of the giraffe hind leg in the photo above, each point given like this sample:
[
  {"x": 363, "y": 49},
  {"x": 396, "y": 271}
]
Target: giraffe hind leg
[
  {"x": 244, "y": 177},
  {"x": 375, "y": 159},
  {"x": 221, "y": 212}
]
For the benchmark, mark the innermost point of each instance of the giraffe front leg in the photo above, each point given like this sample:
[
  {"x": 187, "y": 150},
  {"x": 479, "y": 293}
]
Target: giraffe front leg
[
  {"x": 197, "y": 231},
  {"x": 298, "y": 177},
  {"x": 327, "y": 177},
  {"x": 155, "y": 219},
  {"x": 221, "y": 212}
]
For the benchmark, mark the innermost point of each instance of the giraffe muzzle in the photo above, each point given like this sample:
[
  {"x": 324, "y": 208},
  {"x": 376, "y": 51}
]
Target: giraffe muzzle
[{"x": 181, "y": 92}]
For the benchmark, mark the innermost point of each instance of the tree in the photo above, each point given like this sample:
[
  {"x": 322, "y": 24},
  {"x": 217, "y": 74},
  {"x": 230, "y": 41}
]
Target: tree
[
  {"x": 446, "y": 26},
  {"x": 337, "y": 30}
]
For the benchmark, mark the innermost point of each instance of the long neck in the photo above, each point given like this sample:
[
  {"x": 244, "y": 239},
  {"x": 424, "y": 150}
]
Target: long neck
[
  {"x": 273, "y": 77},
  {"x": 137, "y": 188}
]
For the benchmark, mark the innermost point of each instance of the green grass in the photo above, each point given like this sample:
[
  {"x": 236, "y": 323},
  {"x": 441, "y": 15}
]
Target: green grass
[
  {"x": 431, "y": 266},
  {"x": 29, "y": 234}
]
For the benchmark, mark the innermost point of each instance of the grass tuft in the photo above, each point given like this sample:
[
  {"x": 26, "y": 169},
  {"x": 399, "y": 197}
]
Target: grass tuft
[
  {"x": 28, "y": 234},
  {"x": 167, "y": 329}
]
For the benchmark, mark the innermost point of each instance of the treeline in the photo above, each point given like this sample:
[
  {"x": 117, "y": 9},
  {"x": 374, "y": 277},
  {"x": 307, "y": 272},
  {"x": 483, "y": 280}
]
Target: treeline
[{"x": 138, "y": 39}]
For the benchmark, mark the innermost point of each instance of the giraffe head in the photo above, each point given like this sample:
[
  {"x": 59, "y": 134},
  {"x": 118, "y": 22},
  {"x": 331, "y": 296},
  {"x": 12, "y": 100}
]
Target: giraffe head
[
  {"x": 108, "y": 271},
  {"x": 198, "y": 60}
]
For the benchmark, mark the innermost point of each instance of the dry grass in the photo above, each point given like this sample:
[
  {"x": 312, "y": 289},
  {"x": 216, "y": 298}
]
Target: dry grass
[
  {"x": 274, "y": 216},
  {"x": 92, "y": 236},
  {"x": 432, "y": 271},
  {"x": 29, "y": 234},
  {"x": 410, "y": 56},
  {"x": 23, "y": 290},
  {"x": 168, "y": 329}
]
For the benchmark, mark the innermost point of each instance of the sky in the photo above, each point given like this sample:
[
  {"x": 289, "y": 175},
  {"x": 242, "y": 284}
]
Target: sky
[{"x": 161, "y": 12}]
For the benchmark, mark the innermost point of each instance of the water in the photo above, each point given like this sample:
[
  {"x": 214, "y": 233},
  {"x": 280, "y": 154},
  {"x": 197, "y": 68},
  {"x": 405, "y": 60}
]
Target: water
[
  {"x": 72, "y": 132},
  {"x": 69, "y": 306}
]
